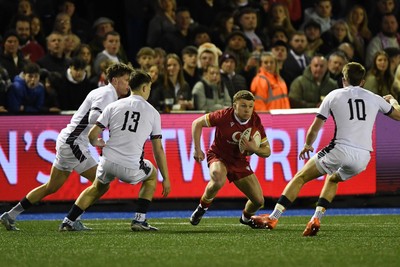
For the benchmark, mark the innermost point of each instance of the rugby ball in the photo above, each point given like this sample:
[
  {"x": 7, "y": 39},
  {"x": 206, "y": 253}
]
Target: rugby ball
[{"x": 247, "y": 134}]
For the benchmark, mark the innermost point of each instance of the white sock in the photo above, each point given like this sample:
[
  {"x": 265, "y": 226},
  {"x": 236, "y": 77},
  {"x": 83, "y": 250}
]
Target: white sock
[
  {"x": 15, "y": 211},
  {"x": 319, "y": 212},
  {"x": 140, "y": 217},
  {"x": 244, "y": 218},
  {"x": 68, "y": 221},
  {"x": 277, "y": 213},
  {"x": 202, "y": 207}
]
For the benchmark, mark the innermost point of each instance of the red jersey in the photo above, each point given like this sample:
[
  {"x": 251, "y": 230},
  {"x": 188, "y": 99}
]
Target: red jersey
[{"x": 228, "y": 132}]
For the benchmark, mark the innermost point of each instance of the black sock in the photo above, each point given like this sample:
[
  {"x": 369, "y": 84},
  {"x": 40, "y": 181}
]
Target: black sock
[
  {"x": 323, "y": 203},
  {"x": 74, "y": 213},
  {"x": 143, "y": 205},
  {"x": 284, "y": 201},
  {"x": 25, "y": 203}
]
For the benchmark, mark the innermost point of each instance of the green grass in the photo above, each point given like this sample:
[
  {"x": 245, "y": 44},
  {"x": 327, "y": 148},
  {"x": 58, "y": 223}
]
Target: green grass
[{"x": 342, "y": 241}]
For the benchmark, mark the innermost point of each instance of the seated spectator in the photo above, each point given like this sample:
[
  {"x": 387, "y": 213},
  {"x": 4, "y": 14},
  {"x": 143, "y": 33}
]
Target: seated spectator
[
  {"x": 336, "y": 62},
  {"x": 224, "y": 25},
  {"x": 248, "y": 22},
  {"x": 268, "y": 87},
  {"x": 52, "y": 85},
  {"x": 191, "y": 73},
  {"x": 209, "y": 94},
  {"x": 348, "y": 49},
  {"x": 11, "y": 58},
  {"x": 31, "y": 49},
  {"x": 159, "y": 58},
  {"x": 145, "y": 58},
  {"x": 84, "y": 52},
  {"x": 236, "y": 45},
  {"x": 26, "y": 94},
  {"x": 208, "y": 55},
  {"x": 79, "y": 26},
  {"x": 394, "y": 58},
  {"x": 5, "y": 82},
  {"x": 111, "y": 44},
  {"x": 379, "y": 80},
  {"x": 378, "y": 10},
  {"x": 71, "y": 45},
  {"x": 309, "y": 89},
  {"x": 156, "y": 97},
  {"x": 321, "y": 13},
  {"x": 74, "y": 86},
  {"x": 339, "y": 33},
  {"x": 279, "y": 17},
  {"x": 200, "y": 35},
  {"x": 233, "y": 81},
  {"x": 54, "y": 59},
  {"x": 162, "y": 23},
  {"x": 279, "y": 33},
  {"x": 37, "y": 32},
  {"x": 312, "y": 30}
]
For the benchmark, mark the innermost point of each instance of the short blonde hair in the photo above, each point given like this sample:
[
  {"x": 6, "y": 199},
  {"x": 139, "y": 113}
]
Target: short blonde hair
[{"x": 243, "y": 94}]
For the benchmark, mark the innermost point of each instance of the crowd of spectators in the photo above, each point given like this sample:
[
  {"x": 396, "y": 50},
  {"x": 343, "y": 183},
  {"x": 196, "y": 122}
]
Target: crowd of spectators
[{"x": 289, "y": 53}]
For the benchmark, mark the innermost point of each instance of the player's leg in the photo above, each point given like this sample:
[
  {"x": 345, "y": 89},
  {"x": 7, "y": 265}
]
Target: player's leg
[
  {"x": 252, "y": 189},
  {"x": 218, "y": 174}
]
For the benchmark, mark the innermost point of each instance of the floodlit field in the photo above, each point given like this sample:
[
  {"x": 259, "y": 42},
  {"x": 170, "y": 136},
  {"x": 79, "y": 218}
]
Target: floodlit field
[{"x": 342, "y": 241}]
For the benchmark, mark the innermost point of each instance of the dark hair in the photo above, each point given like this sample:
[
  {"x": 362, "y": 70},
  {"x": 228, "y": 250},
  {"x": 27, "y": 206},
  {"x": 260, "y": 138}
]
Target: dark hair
[
  {"x": 31, "y": 68},
  {"x": 138, "y": 78},
  {"x": 112, "y": 33},
  {"x": 353, "y": 73},
  {"x": 78, "y": 63},
  {"x": 118, "y": 70}
]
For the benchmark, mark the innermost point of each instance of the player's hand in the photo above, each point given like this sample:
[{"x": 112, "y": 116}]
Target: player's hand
[
  {"x": 388, "y": 97},
  {"x": 198, "y": 155},
  {"x": 100, "y": 143},
  {"x": 249, "y": 145},
  {"x": 305, "y": 152},
  {"x": 166, "y": 187}
]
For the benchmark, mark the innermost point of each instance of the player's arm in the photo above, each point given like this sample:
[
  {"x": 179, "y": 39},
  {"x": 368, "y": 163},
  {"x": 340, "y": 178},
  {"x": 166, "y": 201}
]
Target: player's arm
[
  {"x": 264, "y": 150},
  {"x": 94, "y": 138},
  {"x": 197, "y": 127},
  {"x": 312, "y": 134},
  {"x": 159, "y": 156},
  {"x": 395, "y": 114}
]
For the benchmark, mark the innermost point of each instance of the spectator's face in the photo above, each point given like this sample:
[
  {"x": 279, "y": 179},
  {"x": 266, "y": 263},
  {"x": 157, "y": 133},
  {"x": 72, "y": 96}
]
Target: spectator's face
[
  {"x": 268, "y": 63},
  {"x": 279, "y": 36},
  {"x": 237, "y": 43},
  {"x": 35, "y": 26},
  {"x": 11, "y": 45},
  {"x": 278, "y": 14},
  {"x": 190, "y": 60},
  {"x": 112, "y": 44},
  {"x": 86, "y": 55},
  {"x": 69, "y": 8},
  {"x": 104, "y": 28},
  {"x": 298, "y": 43},
  {"x": 63, "y": 24},
  {"x": 382, "y": 63},
  {"x": 229, "y": 24},
  {"x": 25, "y": 8},
  {"x": 324, "y": 9},
  {"x": 23, "y": 29},
  {"x": 335, "y": 64},
  {"x": 312, "y": 33},
  {"x": 206, "y": 59},
  {"x": 153, "y": 72},
  {"x": 173, "y": 67},
  {"x": 31, "y": 79},
  {"x": 212, "y": 75},
  {"x": 385, "y": 6},
  {"x": 201, "y": 38},
  {"x": 228, "y": 66},
  {"x": 280, "y": 53},
  {"x": 357, "y": 17},
  {"x": 183, "y": 20},
  {"x": 318, "y": 67},
  {"x": 77, "y": 74},
  {"x": 145, "y": 62},
  {"x": 389, "y": 25},
  {"x": 248, "y": 21},
  {"x": 340, "y": 31},
  {"x": 55, "y": 44}
]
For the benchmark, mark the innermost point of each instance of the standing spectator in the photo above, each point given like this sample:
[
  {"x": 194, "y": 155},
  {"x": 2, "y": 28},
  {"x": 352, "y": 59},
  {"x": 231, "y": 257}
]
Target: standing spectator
[
  {"x": 321, "y": 13},
  {"x": 309, "y": 89},
  {"x": 269, "y": 89},
  {"x": 379, "y": 80},
  {"x": 233, "y": 81},
  {"x": 162, "y": 23},
  {"x": 191, "y": 73},
  {"x": 11, "y": 58},
  {"x": 54, "y": 59},
  {"x": 145, "y": 58},
  {"x": 31, "y": 49},
  {"x": 111, "y": 45},
  {"x": 387, "y": 37},
  {"x": 75, "y": 85},
  {"x": 210, "y": 94},
  {"x": 26, "y": 94},
  {"x": 224, "y": 158},
  {"x": 297, "y": 60},
  {"x": 101, "y": 27}
]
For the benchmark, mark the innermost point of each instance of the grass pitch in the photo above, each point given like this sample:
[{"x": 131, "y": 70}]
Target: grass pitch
[{"x": 342, "y": 241}]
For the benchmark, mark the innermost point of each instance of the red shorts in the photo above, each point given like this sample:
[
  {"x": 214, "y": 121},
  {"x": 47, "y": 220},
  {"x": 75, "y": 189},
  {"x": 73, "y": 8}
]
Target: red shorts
[{"x": 236, "y": 170}]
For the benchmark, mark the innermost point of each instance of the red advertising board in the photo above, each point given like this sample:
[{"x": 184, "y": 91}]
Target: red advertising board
[{"x": 27, "y": 150}]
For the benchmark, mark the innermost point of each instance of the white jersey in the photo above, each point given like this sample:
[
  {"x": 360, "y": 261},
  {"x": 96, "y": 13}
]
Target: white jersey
[
  {"x": 78, "y": 128},
  {"x": 130, "y": 121},
  {"x": 354, "y": 111}
]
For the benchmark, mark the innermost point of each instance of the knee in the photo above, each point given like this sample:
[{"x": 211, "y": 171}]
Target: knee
[{"x": 217, "y": 178}]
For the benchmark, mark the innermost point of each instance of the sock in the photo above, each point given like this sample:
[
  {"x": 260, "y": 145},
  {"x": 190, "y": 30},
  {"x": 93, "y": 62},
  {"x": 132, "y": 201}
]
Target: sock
[
  {"x": 246, "y": 216},
  {"x": 319, "y": 212},
  {"x": 15, "y": 211},
  {"x": 205, "y": 203},
  {"x": 140, "y": 217},
  {"x": 74, "y": 213},
  {"x": 142, "y": 205},
  {"x": 277, "y": 213},
  {"x": 68, "y": 221}
]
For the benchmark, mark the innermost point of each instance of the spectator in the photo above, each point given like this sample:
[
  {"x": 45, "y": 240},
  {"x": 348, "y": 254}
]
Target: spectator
[
  {"x": 52, "y": 85},
  {"x": 4, "y": 85},
  {"x": 321, "y": 13},
  {"x": 54, "y": 59},
  {"x": 339, "y": 33},
  {"x": 71, "y": 45},
  {"x": 191, "y": 73},
  {"x": 336, "y": 62},
  {"x": 247, "y": 20},
  {"x": 378, "y": 10},
  {"x": 224, "y": 25},
  {"x": 200, "y": 8},
  {"x": 102, "y": 26},
  {"x": 111, "y": 45},
  {"x": 155, "y": 97},
  {"x": 79, "y": 26},
  {"x": 26, "y": 94},
  {"x": 31, "y": 49},
  {"x": 84, "y": 53},
  {"x": 312, "y": 30},
  {"x": 162, "y": 23},
  {"x": 297, "y": 60},
  {"x": 233, "y": 81},
  {"x": 208, "y": 55},
  {"x": 236, "y": 45},
  {"x": 379, "y": 80},
  {"x": 279, "y": 17},
  {"x": 62, "y": 24},
  {"x": 348, "y": 49},
  {"x": 209, "y": 94},
  {"x": 37, "y": 32},
  {"x": 200, "y": 35},
  {"x": 309, "y": 89},
  {"x": 279, "y": 33},
  {"x": 394, "y": 58},
  {"x": 280, "y": 51},
  {"x": 269, "y": 89},
  {"x": 145, "y": 58},
  {"x": 75, "y": 85},
  {"x": 159, "y": 58},
  {"x": 11, "y": 58},
  {"x": 387, "y": 37},
  {"x": 396, "y": 84}
]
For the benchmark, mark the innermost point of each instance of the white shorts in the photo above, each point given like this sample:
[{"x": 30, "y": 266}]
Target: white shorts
[
  {"x": 107, "y": 171},
  {"x": 345, "y": 160},
  {"x": 76, "y": 157}
]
